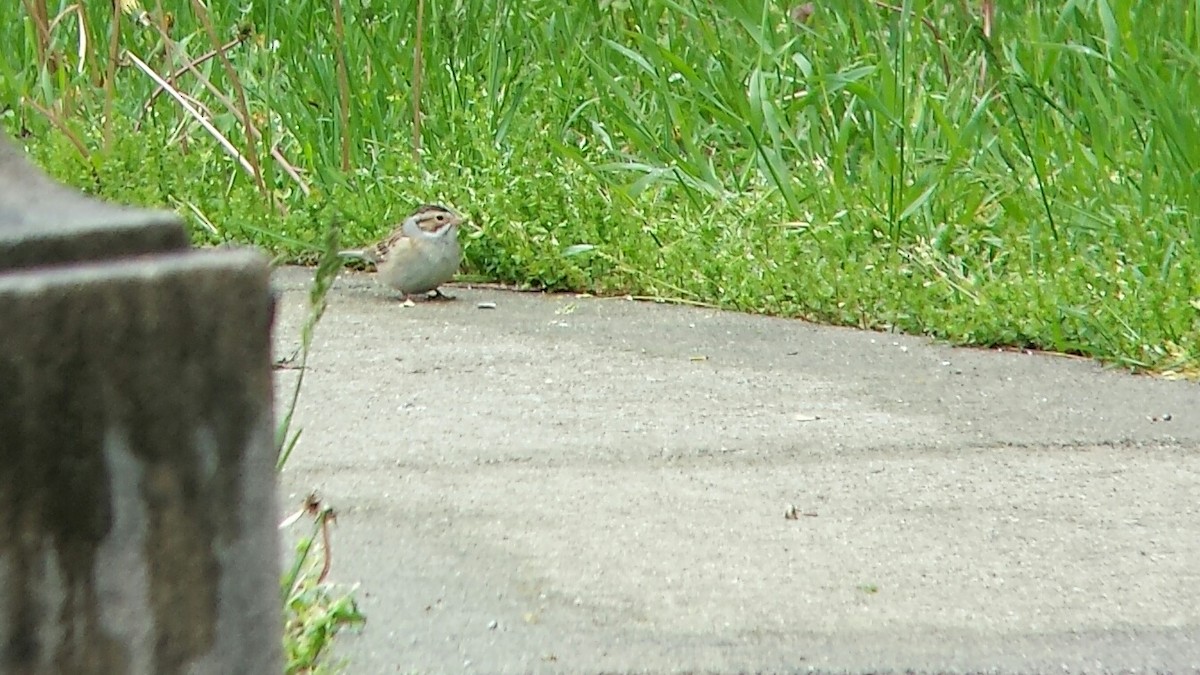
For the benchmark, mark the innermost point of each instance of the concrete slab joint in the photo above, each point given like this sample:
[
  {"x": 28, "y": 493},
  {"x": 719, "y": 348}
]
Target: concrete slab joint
[{"x": 136, "y": 455}]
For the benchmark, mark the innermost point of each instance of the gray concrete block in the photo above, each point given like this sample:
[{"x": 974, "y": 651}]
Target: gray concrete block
[
  {"x": 137, "y": 468},
  {"x": 45, "y": 223}
]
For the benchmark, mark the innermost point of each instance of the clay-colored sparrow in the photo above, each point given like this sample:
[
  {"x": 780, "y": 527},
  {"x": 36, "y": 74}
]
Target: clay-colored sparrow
[{"x": 419, "y": 255}]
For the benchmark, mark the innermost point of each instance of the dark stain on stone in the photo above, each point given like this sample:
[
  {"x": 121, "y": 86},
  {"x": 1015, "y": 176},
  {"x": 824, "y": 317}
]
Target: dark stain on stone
[{"x": 163, "y": 359}]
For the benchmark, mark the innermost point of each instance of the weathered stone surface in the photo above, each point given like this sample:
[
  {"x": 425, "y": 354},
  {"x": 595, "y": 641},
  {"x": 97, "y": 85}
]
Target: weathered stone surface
[
  {"x": 137, "y": 468},
  {"x": 45, "y": 223}
]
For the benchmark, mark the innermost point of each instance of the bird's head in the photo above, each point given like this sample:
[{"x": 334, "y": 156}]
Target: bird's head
[{"x": 432, "y": 220}]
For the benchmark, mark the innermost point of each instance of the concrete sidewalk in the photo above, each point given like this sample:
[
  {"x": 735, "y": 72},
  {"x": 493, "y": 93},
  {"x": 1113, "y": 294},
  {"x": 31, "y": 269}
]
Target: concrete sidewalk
[{"x": 584, "y": 485}]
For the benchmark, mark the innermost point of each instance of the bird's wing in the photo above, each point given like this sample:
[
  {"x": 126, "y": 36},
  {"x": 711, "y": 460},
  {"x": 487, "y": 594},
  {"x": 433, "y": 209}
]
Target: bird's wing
[{"x": 397, "y": 243}]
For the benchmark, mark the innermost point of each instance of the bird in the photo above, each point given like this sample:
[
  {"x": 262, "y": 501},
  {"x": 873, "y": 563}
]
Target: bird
[{"x": 420, "y": 254}]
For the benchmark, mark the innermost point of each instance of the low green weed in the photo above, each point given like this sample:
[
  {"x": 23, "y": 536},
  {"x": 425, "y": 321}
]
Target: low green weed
[{"x": 1030, "y": 182}]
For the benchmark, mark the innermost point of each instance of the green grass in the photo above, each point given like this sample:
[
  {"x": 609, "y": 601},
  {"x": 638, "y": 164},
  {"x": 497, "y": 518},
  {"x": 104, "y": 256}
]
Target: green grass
[
  {"x": 858, "y": 170},
  {"x": 315, "y": 609}
]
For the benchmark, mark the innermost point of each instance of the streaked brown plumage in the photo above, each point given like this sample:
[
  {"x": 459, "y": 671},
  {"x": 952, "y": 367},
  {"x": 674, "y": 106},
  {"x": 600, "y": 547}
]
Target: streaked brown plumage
[{"x": 419, "y": 255}]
